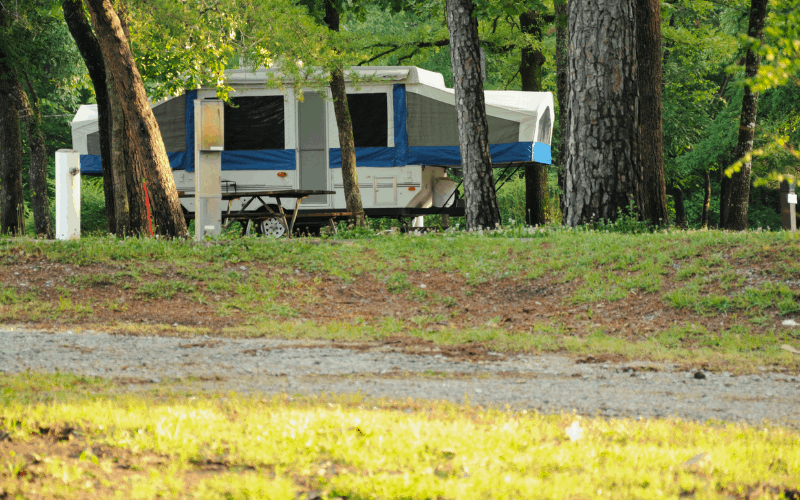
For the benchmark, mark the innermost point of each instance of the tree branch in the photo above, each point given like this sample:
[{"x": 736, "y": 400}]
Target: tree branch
[{"x": 427, "y": 45}]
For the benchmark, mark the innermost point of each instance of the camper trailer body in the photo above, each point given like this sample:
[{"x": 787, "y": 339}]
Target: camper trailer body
[{"x": 404, "y": 126}]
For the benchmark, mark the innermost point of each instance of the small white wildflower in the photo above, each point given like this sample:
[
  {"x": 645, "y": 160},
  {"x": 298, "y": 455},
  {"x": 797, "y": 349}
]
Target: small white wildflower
[{"x": 575, "y": 432}]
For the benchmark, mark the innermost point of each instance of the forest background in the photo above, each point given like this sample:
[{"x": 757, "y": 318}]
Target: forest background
[{"x": 703, "y": 49}]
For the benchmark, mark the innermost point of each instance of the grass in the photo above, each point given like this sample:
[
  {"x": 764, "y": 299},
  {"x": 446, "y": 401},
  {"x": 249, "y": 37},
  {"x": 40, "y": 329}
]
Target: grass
[
  {"x": 733, "y": 285},
  {"x": 74, "y": 437}
]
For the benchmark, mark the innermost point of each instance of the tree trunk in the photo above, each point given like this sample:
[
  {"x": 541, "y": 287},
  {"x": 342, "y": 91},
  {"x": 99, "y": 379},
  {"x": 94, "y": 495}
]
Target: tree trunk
[
  {"x": 706, "y": 200},
  {"x": 561, "y": 91},
  {"x": 602, "y": 138},
  {"x": 651, "y": 196},
  {"x": 532, "y": 61},
  {"x": 37, "y": 179},
  {"x": 680, "y": 207},
  {"x": 149, "y": 158},
  {"x": 482, "y": 210},
  {"x": 120, "y": 173},
  {"x": 12, "y": 204},
  {"x": 352, "y": 193},
  {"x": 740, "y": 181},
  {"x": 724, "y": 197},
  {"x": 92, "y": 56}
]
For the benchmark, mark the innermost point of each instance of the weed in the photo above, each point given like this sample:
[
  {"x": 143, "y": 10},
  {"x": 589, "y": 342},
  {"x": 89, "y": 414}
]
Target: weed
[
  {"x": 397, "y": 282},
  {"x": 164, "y": 289}
]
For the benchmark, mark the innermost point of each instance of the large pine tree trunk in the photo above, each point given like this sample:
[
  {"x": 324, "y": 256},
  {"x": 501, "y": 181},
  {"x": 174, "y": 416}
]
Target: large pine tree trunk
[
  {"x": 120, "y": 173},
  {"x": 37, "y": 178},
  {"x": 149, "y": 158},
  {"x": 12, "y": 204},
  {"x": 531, "y": 64},
  {"x": 480, "y": 197},
  {"x": 352, "y": 193},
  {"x": 602, "y": 138},
  {"x": 561, "y": 91},
  {"x": 740, "y": 181},
  {"x": 92, "y": 56},
  {"x": 651, "y": 197}
]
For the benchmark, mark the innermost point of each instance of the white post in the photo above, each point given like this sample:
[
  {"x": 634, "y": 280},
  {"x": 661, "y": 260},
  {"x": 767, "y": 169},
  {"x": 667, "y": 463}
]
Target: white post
[{"x": 68, "y": 194}]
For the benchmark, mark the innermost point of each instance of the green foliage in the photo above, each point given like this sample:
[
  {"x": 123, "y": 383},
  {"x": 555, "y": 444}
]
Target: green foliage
[{"x": 93, "y": 205}]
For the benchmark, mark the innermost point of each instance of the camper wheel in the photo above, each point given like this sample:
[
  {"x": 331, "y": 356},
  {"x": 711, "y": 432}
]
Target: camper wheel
[
  {"x": 271, "y": 227},
  {"x": 267, "y": 227}
]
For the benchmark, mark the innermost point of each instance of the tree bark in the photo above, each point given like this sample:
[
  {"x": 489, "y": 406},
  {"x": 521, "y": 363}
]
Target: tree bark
[
  {"x": 92, "y": 56},
  {"x": 12, "y": 204},
  {"x": 37, "y": 178},
  {"x": 602, "y": 138},
  {"x": 680, "y": 207},
  {"x": 706, "y": 200},
  {"x": 736, "y": 218},
  {"x": 532, "y": 61},
  {"x": 120, "y": 173},
  {"x": 561, "y": 91},
  {"x": 651, "y": 197},
  {"x": 480, "y": 197},
  {"x": 724, "y": 197},
  {"x": 149, "y": 158},
  {"x": 352, "y": 193}
]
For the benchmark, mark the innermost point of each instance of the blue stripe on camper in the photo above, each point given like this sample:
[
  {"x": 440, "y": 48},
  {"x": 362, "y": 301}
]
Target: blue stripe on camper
[
  {"x": 91, "y": 165},
  {"x": 441, "y": 155},
  {"x": 542, "y": 153},
  {"x": 400, "y": 132},
  {"x": 451, "y": 155},
  {"x": 365, "y": 157},
  {"x": 265, "y": 159},
  {"x": 187, "y": 162},
  {"x": 179, "y": 160}
]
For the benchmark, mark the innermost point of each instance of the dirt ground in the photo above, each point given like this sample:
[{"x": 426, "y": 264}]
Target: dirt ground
[{"x": 431, "y": 300}]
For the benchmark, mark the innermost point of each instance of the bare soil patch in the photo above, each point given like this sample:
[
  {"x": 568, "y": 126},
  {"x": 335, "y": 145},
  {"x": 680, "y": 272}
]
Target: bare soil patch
[{"x": 106, "y": 297}]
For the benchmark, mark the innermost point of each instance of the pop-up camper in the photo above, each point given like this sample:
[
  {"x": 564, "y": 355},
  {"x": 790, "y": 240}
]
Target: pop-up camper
[{"x": 404, "y": 125}]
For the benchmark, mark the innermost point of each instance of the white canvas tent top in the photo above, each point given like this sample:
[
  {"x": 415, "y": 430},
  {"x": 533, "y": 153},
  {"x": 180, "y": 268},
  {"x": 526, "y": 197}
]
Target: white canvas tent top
[
  {"x": 401, "y": 115},
  {"x": 83, "y": 124}
]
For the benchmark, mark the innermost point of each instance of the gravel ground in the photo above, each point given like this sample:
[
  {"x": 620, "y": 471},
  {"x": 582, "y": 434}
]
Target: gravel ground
[{"x": 548, "y": 384}]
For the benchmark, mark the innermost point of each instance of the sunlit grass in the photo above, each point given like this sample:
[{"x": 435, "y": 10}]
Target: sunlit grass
[{"x": 158, "y": 445}]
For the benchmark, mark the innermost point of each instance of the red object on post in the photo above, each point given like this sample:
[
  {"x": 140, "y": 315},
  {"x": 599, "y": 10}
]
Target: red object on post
[{"x": 147, "y": 204}]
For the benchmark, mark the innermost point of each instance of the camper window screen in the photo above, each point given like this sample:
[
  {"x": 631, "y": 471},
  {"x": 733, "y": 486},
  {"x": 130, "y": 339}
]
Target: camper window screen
[
  {"x": 370, "y": 123},
  {"x": 255, "y": 123}
]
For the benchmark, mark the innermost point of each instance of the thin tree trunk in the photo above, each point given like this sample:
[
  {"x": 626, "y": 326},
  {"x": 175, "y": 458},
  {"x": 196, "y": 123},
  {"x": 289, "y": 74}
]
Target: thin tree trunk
[
  {"x": 602, "y": 138},
  {"x": 561, "y": 91},
  {"x": 706, "y": 200},
  {"x": 37, "y": 178},
  {"x": 12, "y": 204},
  {"x": 651, "y": 196},
  {"x": 149, "y": 157},
  {"x": 532, "y": 61},
  {"x": 680, "y": 207},
  {"x": 92, "y": 56},
  {"x": 482, "y": 210},
  {"x": 740, "y": 181},
  {"x": 352, "y": 193},
  {"x": 120, "y": 172},
  {"x": 724, "y": 197}
]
